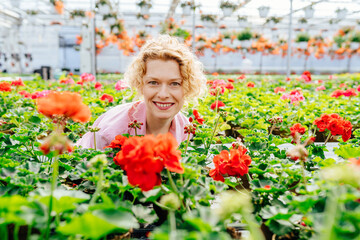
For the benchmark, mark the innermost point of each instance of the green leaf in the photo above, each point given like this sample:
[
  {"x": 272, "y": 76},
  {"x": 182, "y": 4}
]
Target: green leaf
[
  {"x": 121, "y": 219},
  {"x": 88, "y": 226},
  {"x": 35, "y": 119},
  {"x": 279, "y": 227},
  {"x": 144, "y": 214},
  {"x": 348, "y": 151}
]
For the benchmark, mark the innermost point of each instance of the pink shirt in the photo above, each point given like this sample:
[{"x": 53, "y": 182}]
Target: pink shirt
[{"x": 115, "y": 122}]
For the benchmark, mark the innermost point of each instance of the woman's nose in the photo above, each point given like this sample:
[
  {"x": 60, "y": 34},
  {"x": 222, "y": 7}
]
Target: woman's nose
[{"x": 163, "y": 91}]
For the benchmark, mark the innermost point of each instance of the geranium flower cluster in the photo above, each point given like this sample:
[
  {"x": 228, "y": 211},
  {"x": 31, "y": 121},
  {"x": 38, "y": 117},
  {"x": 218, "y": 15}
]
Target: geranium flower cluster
[
  {"x": 347, "y": 93},
  {"x": 64, "y": 105},
  {"x": 297, "y": 128},
  {"x": 335, "y": 124},
  {"x": 5, "y": 86},
  {"x": 295, "y": 96},
  {"x": 87, "y": 77},
  {"x": 218, "y": 87},
  {"x": 143, "y": 159},
  {"x": 234, "y": 163},
  {"x": 306, "y": 75},
  {"x": 67, "y": 80},
  {"x": 120, "y": 85},
  {"x": 17, "y": 83},
  {"x": 107, "y": 97}
]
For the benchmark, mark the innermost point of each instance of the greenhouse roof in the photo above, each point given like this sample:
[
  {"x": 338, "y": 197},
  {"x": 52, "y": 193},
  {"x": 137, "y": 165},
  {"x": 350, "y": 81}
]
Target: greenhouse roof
[{"x": 13, "y": 12}]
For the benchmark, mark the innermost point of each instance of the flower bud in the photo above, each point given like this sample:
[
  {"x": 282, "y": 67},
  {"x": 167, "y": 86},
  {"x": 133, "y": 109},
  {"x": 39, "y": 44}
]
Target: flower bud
[
  {"x": 98, "y": 161},
  {"x": 171, "y": 201},
  {"x": 233, "y": 202}
]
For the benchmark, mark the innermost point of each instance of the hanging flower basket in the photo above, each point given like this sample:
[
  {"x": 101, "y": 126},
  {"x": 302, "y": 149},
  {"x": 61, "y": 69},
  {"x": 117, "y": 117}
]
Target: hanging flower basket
[
  {"x": 145, "y": 6},
  {"x": 186, "y": 10},
  {"x": 227, "y": 11},
  {"x": 264, "y": 11},
  {"x": 341, "y": 13},
  {"x": 309, "y": 12},
  {"x": 103, "y": 9},
  {"x": 242, "y": 20}
]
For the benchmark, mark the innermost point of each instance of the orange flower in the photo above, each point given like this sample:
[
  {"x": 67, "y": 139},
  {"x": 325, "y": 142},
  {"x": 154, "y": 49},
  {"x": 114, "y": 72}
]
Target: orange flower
[
  {"x": 5, "y": 86},
  {"x": 250, "y": 84},
  {"x": 64, "y": 105},
  {"x": 59, "y": 7},
  {"x": 297, "y": 128}
]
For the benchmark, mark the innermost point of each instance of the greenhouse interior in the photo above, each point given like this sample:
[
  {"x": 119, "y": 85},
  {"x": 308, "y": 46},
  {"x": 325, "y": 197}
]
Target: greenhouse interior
[{"x": 174, "y": 119}]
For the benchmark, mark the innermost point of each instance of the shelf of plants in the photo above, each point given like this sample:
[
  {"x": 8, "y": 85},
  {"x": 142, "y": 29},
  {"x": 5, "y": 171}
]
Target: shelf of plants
[{"x": 230, "y": 177}]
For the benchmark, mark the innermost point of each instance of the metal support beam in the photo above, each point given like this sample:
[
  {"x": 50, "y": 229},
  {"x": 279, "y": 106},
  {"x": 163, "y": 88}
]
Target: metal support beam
[{"x": 172, "y": 8}]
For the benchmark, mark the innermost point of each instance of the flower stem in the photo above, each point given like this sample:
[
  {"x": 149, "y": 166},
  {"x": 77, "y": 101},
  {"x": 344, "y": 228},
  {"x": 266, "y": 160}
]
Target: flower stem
[
  {"x": 53, "y": 186},
  {"x": 330, "y": 216},
  {"x": 239, "y": 182},
  {"x": 213, "y": 133},
  {"x": 135, "y": 132},
  {"x": 254, "y": 229},
  {"x": 187, "y": 143},
  {"x": 303, "y": 173},
  {"x": 271, "y": 129},
  {"x": 172, "y": 225},
  {"x": 327, "y": 139},
  {"x": 95, "y": 140},
  {"x": 98, "y": 186},
  {"x": 174, "y": 188}
]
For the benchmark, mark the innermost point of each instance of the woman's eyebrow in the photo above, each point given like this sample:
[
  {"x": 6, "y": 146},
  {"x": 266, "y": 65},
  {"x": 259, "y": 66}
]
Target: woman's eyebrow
[{"x": 171, "y": 79}]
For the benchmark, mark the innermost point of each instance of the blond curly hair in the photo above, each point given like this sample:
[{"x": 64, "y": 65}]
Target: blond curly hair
[{"x": 165, "y": 47}]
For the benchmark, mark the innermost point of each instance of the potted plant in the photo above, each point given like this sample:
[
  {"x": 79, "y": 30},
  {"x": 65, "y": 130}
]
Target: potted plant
[
  {"x": 103, "y": 7},
  {"x": 302, "y": 39},
  {"x": 309, "y": 11},
  {"x": 302, "y": 22},
  {"x": 263, "y": 11},
  {"x": 272, "y": 21},
  {"x": 186, "y": 7},
  {"x": 209, "y": 18},
  {"x": 355, "y": 40},
  {"x": 245, "y": 37},
  {"x": 77, "y": 15},
  {"x": 341, "y": 13},
  {"x": 145, "y": 6},
  {"x": 111, "y": 18},
  {"x": 242, "y": 20},
  {"x": 227, "y": 38},
  {"x": 228, "y": 7}
]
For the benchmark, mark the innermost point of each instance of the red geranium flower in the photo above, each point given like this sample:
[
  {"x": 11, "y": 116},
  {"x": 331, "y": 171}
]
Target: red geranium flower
[
  {"x": 233, "y": 163},
  {"x": 217, "y": 104},
  {"x": 25, "y": 94},
  {"x": 297, "y": 127},
  {"x": 117, "y": 142},
  {"x": 107, "y": 97},
  {"x": 143, "y": 159},
  {"x": 242, "y": 76},
  {"x": 337, "y": 93},
  {"x": 17, "y": 82},
  {"x": 199, "y": 119},
  {"x": 229, "y": 86},
  {"x": 350, "y": 92},
  {"x": 306, "y": 75},
  {"x": 279, "y": 89},
  {"x": 231, "y": 80},
  {"x": 5, "y": 86},
  {"x": 98, "y": 86},
  {"x": 250, "y": 84}
]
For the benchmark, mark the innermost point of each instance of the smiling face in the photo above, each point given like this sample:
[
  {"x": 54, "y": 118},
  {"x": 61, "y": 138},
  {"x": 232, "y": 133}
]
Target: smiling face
[{"x": 162, "y": 90}]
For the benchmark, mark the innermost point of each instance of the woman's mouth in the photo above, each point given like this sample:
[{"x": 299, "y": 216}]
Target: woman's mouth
[{"x": 163, "y": 106}]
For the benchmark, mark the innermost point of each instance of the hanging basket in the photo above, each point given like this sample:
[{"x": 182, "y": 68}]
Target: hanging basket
[
  {"x": 341, "y": 13},
  {"x": 186, "y": 10},
  {"x": 227, "y": 11},
  {"x": 145, "y": 10},
  {"x": 104, "y": 9},
  {"x": 309, "y": 12},
  {"x": 263, "y": 11},
  {"x": 111, "y": 21}
]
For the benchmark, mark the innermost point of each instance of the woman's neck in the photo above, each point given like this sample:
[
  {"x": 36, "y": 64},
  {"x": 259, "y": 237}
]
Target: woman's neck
[{"x": 158, "y": 126}]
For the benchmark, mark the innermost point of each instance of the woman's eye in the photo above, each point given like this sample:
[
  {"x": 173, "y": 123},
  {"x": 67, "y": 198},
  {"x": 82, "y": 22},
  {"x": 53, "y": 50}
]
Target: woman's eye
[
  {"x": 152, "y": 82},
  {"x": 176, "y": 84}
]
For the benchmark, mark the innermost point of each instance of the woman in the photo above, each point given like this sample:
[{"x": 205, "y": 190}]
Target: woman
[{"x": 165, "y": 74}]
